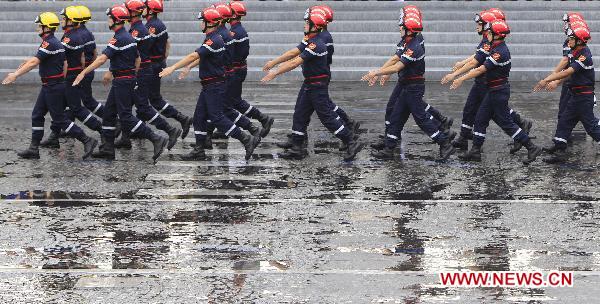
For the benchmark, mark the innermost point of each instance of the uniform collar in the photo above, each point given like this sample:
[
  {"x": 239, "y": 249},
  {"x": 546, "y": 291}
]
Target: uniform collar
[
  {"x": 577, "y": 51},
  {"x": 47, "y": 36},
  {"x": 497, "y": 43},
  {"x": 120, "y": 30},
  {"x": 235, "y": 23},
  {"x": 136, "y": 22}
]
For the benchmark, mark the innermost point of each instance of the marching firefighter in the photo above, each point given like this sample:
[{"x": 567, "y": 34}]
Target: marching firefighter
[
  {"x": 314, "y": 93},
  {"x": 479, "y": 89},
  {"x": 124, "y": 61},
  {"x": 212, "y": 98},
  {"x": 580, "y": 106},
  {"x": 50, "y": 58},
  {"x": 410, "y": 68},
  {"x": 144, "y": 110},
  {"x": 159, "y": 51},
  {"x": 494, "y": 106}
]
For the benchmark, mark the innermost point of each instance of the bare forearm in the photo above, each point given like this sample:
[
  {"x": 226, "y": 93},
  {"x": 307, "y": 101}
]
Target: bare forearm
[
  {"x": 100, "y": 60},
  {"x": 186, "y": 61},
  {"x": 286, "y": 67},
  {"x": 287, "y": 56},
  {"x": 561, "y": 65},
  {"x": 560, "y": 75},
  {"x": 26, "y": 67},
  {"x": 473, "y": 73},
  {"x": 466, "y": 67},
  {"x": 167, "y": 49},
  {"x": 393, "y": 60},
  {"x": 193, "y": 64},
  {"x": 397, "y": 67}
]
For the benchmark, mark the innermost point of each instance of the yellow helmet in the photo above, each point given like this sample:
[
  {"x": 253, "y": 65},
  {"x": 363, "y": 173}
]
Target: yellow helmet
[
  {"x": 72, "y": 13},
  {"x": 48, "y": 19},
  {"x": 85, "y": 13}
]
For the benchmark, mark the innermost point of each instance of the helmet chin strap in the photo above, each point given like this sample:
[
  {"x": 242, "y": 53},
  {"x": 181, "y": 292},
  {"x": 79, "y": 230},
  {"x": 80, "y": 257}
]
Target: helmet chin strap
[{"x": 311, "y": 29}]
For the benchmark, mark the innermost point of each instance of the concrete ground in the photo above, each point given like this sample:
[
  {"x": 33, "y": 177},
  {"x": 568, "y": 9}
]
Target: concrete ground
[{"x": 313, "y": 231}]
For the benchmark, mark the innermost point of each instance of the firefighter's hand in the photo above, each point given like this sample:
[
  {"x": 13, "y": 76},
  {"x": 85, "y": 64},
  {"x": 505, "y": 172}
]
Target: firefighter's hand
[
  {"x": 78, "y": 79},
  {"x": 166, "y": 72},
  {"x": 457, "y": 66},
  {"x": 383, "y": 79},
  {"x": 107, "y": 78},
  {"x": 456, "y": 84},
  {"x": 540, "y": 85},
  {"x": 447, "y": 78},
  {"x": 270, "y": 76},
  {"x": 268, "y": 66},
  {"x": 551, "y": 86},
  {"x": 183, "y": 74},
  {"x": 10, "y": 78},
  {"x": 371, "y": 77}
]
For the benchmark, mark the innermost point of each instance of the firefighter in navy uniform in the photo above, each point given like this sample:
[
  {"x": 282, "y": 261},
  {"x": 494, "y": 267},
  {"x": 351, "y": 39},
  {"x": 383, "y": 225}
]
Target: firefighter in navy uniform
[
  {"x": 314, "y": 95},
  {"x": 495, "y": 105},
  {"x": 580, "y": 106},
  {"x": 212, "y": 99},
  {"x": 159, "y": 51},
  {"x": 479, "y": 89},
  {"x": 411, "y": 70},
  {"x": 124, "y": 61},
  {"x": 445, "y": 122},
  {"x": 52, "y": 67},
  {"x": 144, "y": 110}
]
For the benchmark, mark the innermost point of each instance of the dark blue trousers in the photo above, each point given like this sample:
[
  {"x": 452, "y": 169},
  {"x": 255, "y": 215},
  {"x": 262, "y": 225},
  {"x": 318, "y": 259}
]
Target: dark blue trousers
[
  {"x": 579, "y": 108},
  {"x": 121, "y": 98},
  {"x": 495, "y": 107},
  {"x": 73, "y": 97},
  {"x": 87, "y": 98},
  {"x": 156, "y": 99},
  {"x": 144, "y": 111},
  {"x": 52, "y": 99},
  {"x": 209, "y": 109}
]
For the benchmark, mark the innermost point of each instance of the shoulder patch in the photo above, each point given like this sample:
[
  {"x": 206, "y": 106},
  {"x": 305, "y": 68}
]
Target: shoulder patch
[
  {"x": 496, "y": 56},
  {"x": 486, "y": 47},
  {"x": 312, "y": 46},
  {"x": 581, "y": 58},
  {"x": 152, "y": 30},
  {"x": 112, "y": 41},
  {"x": 66, "y": 39},
  {"x": 135, "y": 33},
  {"x": 208, "y": 42},
  {"x": 409, "y": 52},
  {"x": 45, "y": 44}
]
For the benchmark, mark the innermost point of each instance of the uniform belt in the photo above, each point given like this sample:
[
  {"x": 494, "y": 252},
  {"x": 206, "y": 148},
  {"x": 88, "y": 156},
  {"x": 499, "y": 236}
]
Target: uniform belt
[
  {"x": 123, "y": 73},
  {"x": 58, "y": 78},
  {"x": 157, "y": 59},
  {"x": 145, "y": 64},
  {"x": 412, "y": 80},
  {"x": 494, "y": 83},
  {"x": 582, "y": 89},
  {"x": 74, "y": 71},
  {"x": 239, "y": 65},
  {"x": 317, "y": 79},
  {"x": 211, "y": 80}
]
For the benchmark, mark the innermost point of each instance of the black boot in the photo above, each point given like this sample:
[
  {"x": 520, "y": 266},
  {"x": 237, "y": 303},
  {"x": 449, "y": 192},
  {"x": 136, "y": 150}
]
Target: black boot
[
  {"x": 33, "y": 152},
  {"x": 159, "y": 144},
  {"x": 218, "y": 135},
  {"x": 124, "y": 142},
  {"x": 173, "y": 136},
  {"x": 384, "y": 153},
  {"x": 559, "y": 155},
  {"x": 51, "y": 142},
  {"x": 344, "y": 146},
  {"x": 267, "y": 122},
  {"x": 107, "y": 151},
  {"x": 296, "y": 151},
  {"x": 446, "y": 148},
  {"x": 288, "y": 143},
  {"x": 551, "y": 149},
  {"x": 118, "y": 128},
  {"x": 250, "y": 143},
  {"x": 446, "y": 123},
  {"x": 461, "y": 143},
  {"x": 525, "y": 126},
  {"x": 89, "y": 144},
  {"x": 472, "y": 155},
  {"x": 533, "y": 152},
  {"x": 208, "y": 141},
  {"x": 450, "y": 135},
  {"x": 185, "y": 122},
  {"x": 354, "y": 146},
  {"x": 379, "y": 145},
  {"x": 353, "y": 126},
  {"x": 255, "y": 130},
  {"x": 196, "y": 154}
]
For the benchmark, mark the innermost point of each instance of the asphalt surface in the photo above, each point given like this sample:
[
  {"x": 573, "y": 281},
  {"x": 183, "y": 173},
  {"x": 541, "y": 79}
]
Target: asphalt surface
[{"x": 318, "y": 230}]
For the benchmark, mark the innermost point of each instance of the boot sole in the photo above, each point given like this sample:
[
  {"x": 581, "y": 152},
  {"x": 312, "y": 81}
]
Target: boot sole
[
  {"x": 185, "y": 128},
  {"x": 267, "y": 127},
  {"x": 254, "y": 145},
  {"x": 173, "y": 141},
  {"x": 163, "y": 144},
  {"x": 535, "y": 155},
  {"x": 353, "y": 156},
  {"x": 94, "y": 144},
  {"x": 447, "y": 155}
]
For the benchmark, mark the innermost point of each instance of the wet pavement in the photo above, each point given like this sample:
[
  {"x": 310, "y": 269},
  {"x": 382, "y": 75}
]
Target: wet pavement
[{"x": 318, "y": 230}]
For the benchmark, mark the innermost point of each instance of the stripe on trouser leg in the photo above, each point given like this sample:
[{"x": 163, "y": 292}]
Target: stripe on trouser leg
[
  {"x": 230, "y": 129},
  {"x": 430, "y": 117},
  {"x": 164, "y": 108},
  {"x": 37, "y": 128},
  {"x": 560, "y": 139},
  {"x": 336, "y": 108},
  {"x": 337, "y": 118},
  {"x": 97, "y": 108},
  {"x": 298, "y": 133},
  {"x": 208, "y": 121},
  {"x": 108, "y": 128},
  {"x": 199, "y": 132},
  {"x": 479, "y": 134},
  {"x": 248, "y": 111},
  {"x": 87, "y": 118},
  {"x": 339, "y": 130},
  {"x": 516, "y": 133},
  {"x": 69, "y": 127},
  {"x": 467, "y": 127},
  {"x": 428, "y": 107},
  {"x": 435, "y": 134},
  {"x": 511, "y": 111},
  {"x": 153, "y": 118},
  {"x": 238, "y": 118},
  {"x": 392, "y": 136},
  {"x": 136, "y": 126},
  {"x": 387, "y": 122}
]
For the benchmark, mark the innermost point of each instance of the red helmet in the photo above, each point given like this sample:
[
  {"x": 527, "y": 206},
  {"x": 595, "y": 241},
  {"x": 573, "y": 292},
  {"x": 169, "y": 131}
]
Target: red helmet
[
  {"x": 210, "y": 15},
  {"x": 412, "y": 9},
  {"x": 498, "y": 28},
  {"x": 485, "y": 17},
  {"x": 224, "y": 10},
  {"x": 412, "y": 25},
  {"x": 328, "y": 12},
  {"x": 317, "y": 19},
  {"x": 135, "y": 6},
  {"x": 581, "y": 33},
  {"x": 498, "y": 13},
  {"x": 154, "y": 6},
  {"x": 571, "y": 16},
  {"x": 119, "y": 13},
  {"x": 238, "y": 8}
]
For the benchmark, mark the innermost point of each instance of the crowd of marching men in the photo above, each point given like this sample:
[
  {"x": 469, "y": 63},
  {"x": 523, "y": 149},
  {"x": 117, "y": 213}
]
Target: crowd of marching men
[{"x": 137, "y": 57}]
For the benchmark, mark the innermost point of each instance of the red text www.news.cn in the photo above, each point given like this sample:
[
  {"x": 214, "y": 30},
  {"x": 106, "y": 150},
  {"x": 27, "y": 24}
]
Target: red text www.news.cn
[{"x": 507, "y": 279}]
